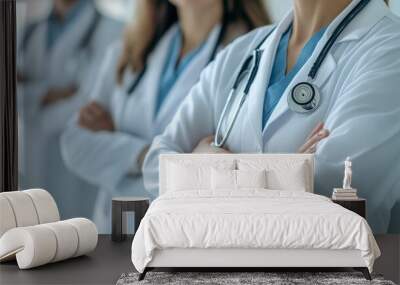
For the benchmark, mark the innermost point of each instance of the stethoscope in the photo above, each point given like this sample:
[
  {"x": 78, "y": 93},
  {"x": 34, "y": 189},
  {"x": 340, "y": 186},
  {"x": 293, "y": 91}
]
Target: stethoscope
[{"x": 304, "y": 97}]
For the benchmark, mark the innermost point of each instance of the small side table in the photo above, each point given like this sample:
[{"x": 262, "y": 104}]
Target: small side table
[
  {"x": 120, "y": 205},
  {"x": 357, "y": 206}
]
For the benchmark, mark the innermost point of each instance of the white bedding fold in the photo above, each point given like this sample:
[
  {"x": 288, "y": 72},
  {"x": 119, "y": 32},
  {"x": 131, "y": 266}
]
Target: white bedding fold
[{"x": 250, "y": 219}]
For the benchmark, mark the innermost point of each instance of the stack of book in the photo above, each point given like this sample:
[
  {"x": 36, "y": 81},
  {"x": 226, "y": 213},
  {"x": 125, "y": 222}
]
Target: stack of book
[{"x": 344, "y": 194}]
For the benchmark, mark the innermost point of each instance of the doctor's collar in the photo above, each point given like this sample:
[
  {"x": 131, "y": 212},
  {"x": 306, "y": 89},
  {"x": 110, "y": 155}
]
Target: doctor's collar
[
  {"x": 374, "y": 12},
  {"x": 71, "y": 14}
]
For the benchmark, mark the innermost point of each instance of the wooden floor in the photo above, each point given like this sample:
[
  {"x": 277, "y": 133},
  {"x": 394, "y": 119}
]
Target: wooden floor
[
  {"x": 103, "y": 266},
  {"x": 110, "y": 260},
  {"x": 389, "y": 262}
]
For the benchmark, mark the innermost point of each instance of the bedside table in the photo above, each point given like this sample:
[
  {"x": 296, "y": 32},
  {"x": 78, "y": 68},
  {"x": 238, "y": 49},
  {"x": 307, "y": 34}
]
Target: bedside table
[
  {"x": 357, "y": 206},
  {"x": 120, "y": 205}
]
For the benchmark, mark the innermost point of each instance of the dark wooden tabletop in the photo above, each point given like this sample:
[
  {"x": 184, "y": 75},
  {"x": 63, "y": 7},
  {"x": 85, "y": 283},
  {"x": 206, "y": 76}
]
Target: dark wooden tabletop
[{"x": 110, "y": 259}]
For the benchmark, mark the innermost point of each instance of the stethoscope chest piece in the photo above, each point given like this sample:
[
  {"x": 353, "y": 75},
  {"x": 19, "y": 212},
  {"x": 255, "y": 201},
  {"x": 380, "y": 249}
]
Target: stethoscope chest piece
[{"x": 304, "y": 98}]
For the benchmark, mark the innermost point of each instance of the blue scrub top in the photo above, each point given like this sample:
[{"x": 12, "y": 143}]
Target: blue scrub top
[
  {"x": 56, "y": 26},
  {"x": 172, "y": 69},
  {"x": 279, "y": 80}
]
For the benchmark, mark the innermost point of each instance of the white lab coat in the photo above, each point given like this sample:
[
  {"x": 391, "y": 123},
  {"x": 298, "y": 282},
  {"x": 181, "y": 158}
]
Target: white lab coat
[
  {"x": 65, "y": 63},
  {"x": 109, "y": 160},
  {"x": 360, "y": 105}
]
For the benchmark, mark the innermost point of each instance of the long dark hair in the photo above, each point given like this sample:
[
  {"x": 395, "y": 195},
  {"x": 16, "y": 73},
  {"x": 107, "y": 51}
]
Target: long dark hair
[{"x": 154, "y": 17}]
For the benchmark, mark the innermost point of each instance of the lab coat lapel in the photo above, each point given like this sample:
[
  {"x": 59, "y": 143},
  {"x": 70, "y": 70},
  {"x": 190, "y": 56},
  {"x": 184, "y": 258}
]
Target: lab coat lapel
[
  {"x": 360, "y": 25},
  {"x": 257, "y": 91},
  {"x": 188, "y": 78},
  {"x": 121, "y": 97},
  {"x": 69, "y": 42},
  {"x": 324, "y": 72},
  {"x": 35, "y": 54},
  {"x": 155, "y": 66}
]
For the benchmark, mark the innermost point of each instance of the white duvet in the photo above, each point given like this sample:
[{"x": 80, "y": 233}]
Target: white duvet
[{"x": 250, "y": 219}]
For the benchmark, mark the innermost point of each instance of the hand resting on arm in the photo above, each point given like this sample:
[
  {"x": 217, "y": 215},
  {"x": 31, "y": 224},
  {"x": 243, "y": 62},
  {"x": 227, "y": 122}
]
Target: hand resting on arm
[
  {"x": 310, "y": 146},
  {"x": 95, "y": 118},
  {"x": 55, "y": 95},
  {"x": 317, "y": 134}
]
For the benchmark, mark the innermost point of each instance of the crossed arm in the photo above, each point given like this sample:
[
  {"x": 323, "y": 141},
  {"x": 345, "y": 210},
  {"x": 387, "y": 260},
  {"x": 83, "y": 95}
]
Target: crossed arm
[{"x": 310, "y": 146}]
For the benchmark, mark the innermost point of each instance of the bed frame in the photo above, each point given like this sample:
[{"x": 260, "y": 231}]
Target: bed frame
[
  {"x": 239, "y": 260},
  {"x": 242, "y": 260}
]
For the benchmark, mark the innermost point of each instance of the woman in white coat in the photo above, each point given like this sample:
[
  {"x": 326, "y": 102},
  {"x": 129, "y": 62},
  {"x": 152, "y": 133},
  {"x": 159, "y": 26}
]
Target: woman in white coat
[
  {"x": 358, "y": 83},
  {"x": 57, "y": 56},
  {"x": 141, "y": 85}
]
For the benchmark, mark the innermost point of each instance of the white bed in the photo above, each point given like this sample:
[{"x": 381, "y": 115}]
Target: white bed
[{"x": 202, "y": 220}]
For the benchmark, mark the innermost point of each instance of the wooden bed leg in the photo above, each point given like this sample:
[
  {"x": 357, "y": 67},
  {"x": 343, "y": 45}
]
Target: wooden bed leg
[
  {"x": 142, "y": 275},
  {"x": 365, "y": 272}
]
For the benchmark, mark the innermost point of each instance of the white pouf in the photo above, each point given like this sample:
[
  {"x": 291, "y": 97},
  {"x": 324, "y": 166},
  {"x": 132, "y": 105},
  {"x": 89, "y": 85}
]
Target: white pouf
[
  {"x": 26, "y": 208},
  {"x": 41, "y": 244},
  {"x": 31, "y": 231}
]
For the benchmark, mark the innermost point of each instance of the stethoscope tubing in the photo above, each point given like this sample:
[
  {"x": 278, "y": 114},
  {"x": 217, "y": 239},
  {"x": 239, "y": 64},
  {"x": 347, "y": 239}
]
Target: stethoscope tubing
[
  {"x": 257, "y": 56},
  {"x": 335, "y": 35}
]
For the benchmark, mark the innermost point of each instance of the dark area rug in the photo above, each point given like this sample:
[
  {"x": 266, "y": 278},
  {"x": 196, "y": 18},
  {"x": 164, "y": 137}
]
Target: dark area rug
[{"x": 244, "y": 278}]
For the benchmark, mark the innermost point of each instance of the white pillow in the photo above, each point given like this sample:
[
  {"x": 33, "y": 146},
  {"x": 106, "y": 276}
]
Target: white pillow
[
  {"x": 186, "y": 175},
  {"x": 226, "y": 179},
  {"x": 251, "y": 178},
  {"x": 223, "y": 179},
  {"x": 292, "y": 179},
  {"x": 292, "y": 175}
]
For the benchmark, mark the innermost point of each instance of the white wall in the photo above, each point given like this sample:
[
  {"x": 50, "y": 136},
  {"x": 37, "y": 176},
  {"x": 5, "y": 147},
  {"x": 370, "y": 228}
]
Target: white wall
[
  {"x": 121, "y": 9},
  {"x": 28, "y": 10},
  {"x": 395, "y": 6},
  {"x": 278, "y": 8}
]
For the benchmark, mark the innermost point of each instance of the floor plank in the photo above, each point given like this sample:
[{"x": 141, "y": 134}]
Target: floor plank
[{"x": 389, "y": 262}]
